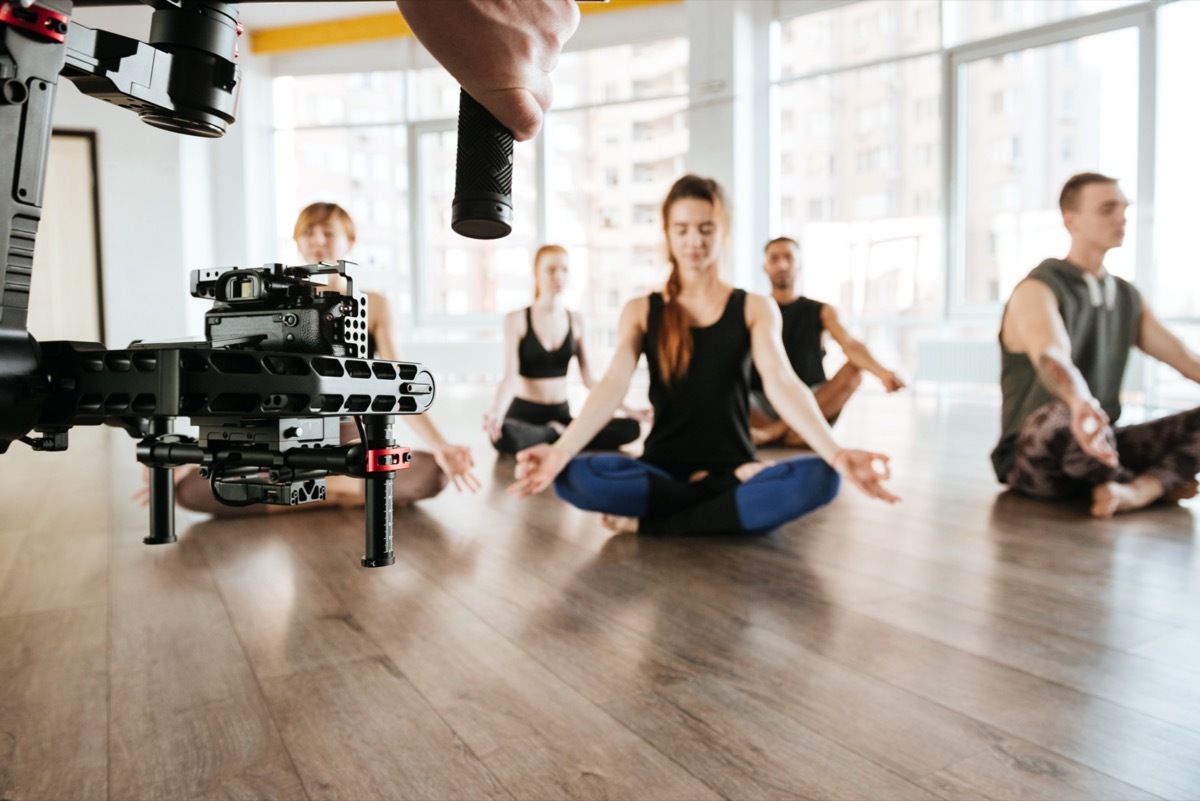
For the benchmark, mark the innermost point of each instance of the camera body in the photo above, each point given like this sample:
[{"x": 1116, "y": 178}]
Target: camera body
[{"x": 277, "y": 308}]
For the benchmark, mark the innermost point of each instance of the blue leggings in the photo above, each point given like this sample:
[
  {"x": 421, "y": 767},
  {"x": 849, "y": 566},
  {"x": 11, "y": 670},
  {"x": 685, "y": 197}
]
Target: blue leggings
[{"x": 620, "y": 485}]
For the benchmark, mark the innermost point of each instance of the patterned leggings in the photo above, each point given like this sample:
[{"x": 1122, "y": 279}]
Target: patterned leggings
[{"x": 1050, "y": 464}]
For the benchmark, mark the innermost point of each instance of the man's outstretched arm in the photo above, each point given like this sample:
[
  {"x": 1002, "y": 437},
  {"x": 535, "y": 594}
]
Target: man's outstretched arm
[
  {"x": 1157, "y": 342},
  {"x": 1033, "y": 325},
  {"x": 500, "y": 51},
  {"x": 857, "y": 352}
]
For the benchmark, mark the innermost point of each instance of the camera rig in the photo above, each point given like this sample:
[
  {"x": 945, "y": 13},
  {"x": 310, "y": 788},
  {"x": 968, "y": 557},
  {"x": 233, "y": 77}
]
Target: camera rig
[{"x": 283, "y": 358}]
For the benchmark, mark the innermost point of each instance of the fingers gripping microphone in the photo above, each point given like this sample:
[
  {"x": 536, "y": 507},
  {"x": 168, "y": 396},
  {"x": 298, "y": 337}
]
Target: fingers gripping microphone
[{"x": 482, "y": 207}]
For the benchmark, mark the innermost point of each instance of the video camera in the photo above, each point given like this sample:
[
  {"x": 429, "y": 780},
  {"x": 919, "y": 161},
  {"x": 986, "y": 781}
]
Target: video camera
[{"x": 277, "y": 309}]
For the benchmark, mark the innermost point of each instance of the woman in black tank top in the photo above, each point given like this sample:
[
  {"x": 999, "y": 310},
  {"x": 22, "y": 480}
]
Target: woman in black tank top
[
  {"x": 530, "y": 405},
  {"x": 324, "y": 232},
  {"x": 698, "y": 473}
]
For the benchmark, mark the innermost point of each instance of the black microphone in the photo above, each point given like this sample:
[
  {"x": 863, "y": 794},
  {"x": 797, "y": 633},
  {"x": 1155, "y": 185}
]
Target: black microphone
[{"x": 482, "y": 207}]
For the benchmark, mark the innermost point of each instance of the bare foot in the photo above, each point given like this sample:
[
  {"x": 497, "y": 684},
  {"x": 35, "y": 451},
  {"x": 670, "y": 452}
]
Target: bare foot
[
  {"x": 1184, "y": 491},
  {"x": 1112, "y": 497},
  {"x": 749, "y": 470},
  {"x": 619, "y": 525}
]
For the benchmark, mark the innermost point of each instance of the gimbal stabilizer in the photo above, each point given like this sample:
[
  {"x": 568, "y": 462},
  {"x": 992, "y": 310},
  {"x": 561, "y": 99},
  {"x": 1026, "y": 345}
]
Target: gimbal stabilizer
[{"x": 281, "y": 360}]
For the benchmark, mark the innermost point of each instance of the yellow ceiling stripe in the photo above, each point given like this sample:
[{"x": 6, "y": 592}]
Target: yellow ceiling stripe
[
  {"x": 329, "y": 33},
  {"x": 378, "y": 26}
]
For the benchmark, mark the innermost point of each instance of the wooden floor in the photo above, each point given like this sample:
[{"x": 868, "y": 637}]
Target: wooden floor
[{"x": 966, "y": 644}]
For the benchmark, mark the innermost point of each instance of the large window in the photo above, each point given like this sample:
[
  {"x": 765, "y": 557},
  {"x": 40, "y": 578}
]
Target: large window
[
  {"x": 919, "y": 146},
  {"x": 383, "y": 145},
  {"x": 1029, "y": 120},
  {"x": 973, "y": 20},
  {"x": 856, "y": 164},
  {"x": 857, "y": 182},
  {"x": 342, "y": 139},
  {"x": 1176, "y": 279},
  {"x": 1176, "y": 285}
]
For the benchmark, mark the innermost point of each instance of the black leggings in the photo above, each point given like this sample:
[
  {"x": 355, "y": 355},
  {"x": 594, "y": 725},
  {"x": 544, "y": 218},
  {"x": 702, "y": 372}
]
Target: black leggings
[{"x": 527, "y": 424}]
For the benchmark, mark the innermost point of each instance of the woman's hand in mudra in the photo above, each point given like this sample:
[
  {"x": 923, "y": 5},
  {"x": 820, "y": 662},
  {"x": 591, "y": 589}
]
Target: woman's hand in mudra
[
  {"x": 865, "y": 470},
  {"x": 536, "y": 469}
]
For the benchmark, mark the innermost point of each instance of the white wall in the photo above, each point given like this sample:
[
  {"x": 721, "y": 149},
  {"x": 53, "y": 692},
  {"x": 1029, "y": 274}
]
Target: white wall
[{"x": 141, "y": 226}]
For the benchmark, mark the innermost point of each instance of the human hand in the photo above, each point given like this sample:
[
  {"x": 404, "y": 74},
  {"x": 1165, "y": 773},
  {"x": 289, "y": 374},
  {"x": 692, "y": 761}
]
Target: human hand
[
  {"x": 891, "y": 381},
  {"x": 500, "y": 51},
  {"x": 1089, "y": 426},
  {"x": 865, "y": 470},
  {"x": 456, "y": 462},
  {"x": 536, "y": 468},
  {"x": 491, "y": 424}
]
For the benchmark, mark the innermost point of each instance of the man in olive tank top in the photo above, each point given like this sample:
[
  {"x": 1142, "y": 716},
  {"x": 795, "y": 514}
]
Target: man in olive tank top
[
  {"x": 1064, "y": 340},
  {"x": 805, "y": 322}
]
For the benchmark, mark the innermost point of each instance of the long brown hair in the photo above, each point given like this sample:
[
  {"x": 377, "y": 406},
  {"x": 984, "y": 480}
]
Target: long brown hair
[
  {"x": 544, "y": 250},
  {"x": 674, "y": 344}
]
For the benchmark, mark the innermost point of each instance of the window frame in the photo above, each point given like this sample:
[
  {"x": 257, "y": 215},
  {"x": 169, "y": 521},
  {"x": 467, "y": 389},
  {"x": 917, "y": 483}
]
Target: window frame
[{"x": 1143, "y": 18}]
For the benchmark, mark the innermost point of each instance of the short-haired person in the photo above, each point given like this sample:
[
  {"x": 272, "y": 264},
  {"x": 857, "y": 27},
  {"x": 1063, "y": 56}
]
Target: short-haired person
[
  {"x": 530, "y": 406},
  {"x": 324, "y": 232},
  {"x": 805, "y": 324},
  {"x": 698, "y": 473},
  {"x": 1065, "y": 337}
]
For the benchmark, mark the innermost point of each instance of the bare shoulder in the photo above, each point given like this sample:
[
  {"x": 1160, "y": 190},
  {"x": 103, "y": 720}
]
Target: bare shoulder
[
  {"x": 1031, "y": 292},
  {"x": 515, "y": 321},
  {"x": 760, "y": 309},
  {"x": 636, "y": 312}
]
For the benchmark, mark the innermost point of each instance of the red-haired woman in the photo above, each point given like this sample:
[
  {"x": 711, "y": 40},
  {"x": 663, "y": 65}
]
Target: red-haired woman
[
  {"x": 540, "y": 340},
  {"x": 698, "y": 473}
]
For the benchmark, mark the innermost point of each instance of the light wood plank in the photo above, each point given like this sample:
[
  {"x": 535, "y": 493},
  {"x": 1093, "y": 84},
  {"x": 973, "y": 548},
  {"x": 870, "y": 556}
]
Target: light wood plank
[
  {"x": 536, "y": 735},
  {"x": 359, "y": 730},
  {"x": 286, "y": 618},
  {"x": 54, "y": 705},
  {"x": 188, "y": 719},
  {"x": 1160, "y": 690},
  {"x": 1138, "y": 749},
  {"x": 1180, "y": 648},
  {"x": 1017, "y": 771},
  {"x": 620, "y": 624},
  {"x": 745, "y": 749},
  {"x": 53, "y": 554},
  {"x": 969, "y": 643}
]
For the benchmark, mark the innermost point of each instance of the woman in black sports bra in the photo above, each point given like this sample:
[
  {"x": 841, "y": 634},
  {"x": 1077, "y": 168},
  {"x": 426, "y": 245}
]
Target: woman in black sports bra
[
  {"x": 698, "y": 473},
  {"x": 540, "y": 340}
]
